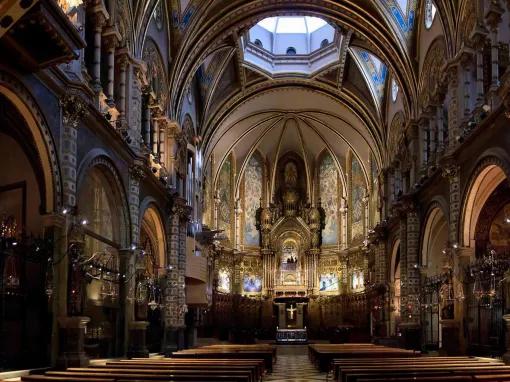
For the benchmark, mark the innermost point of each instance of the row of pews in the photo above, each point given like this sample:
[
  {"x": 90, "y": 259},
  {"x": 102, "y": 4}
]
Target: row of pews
[
  {"x": 225, "y": 363},
  {"x": 376, "y": 363}
]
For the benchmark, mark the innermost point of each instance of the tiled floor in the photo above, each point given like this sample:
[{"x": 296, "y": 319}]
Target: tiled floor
[{"x": 293, "y": 365}]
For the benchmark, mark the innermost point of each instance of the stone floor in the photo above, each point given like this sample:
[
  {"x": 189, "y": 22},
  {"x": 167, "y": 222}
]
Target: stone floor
[{"x": 292, "y": 364}]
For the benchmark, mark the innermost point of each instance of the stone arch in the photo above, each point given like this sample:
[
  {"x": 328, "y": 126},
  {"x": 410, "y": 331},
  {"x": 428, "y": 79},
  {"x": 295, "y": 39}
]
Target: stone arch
[
  {"x": 434, "y": 239},
  {"x": 151, "y": 220},
  {"x": 490, "y": 172},
  {"x": 98, "y": 159},
  {"x": 27, "y": 106}
]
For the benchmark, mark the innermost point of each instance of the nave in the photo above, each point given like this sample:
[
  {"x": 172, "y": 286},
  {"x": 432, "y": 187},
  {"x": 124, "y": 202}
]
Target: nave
[
  {"x": 175, "y": 173},
  {"x": 362, "y": 362}
]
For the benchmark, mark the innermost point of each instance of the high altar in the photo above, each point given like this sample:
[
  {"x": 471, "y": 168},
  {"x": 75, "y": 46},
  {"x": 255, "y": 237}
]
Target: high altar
[{"x": 297, "y": 258}]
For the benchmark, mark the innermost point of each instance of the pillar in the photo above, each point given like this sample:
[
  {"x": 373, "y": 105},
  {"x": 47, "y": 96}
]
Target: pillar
[
  {"x": 98, "y": 20},
  {"x": 111, "y": 38},
  {"x": 493, "y": 18},
  {"x": 123, "y": 64}
]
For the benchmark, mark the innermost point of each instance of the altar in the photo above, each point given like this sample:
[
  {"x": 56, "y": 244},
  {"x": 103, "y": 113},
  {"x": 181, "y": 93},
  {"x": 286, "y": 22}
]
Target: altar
[{"x": 291, "y": 336}]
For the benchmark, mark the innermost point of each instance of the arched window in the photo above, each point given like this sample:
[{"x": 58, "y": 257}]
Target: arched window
[
  {"x": 328, "y": 182},
  {"x": 258, "y": 43},
  {"x": 430, "y": 13},
  {"x": 324, "y": 43},
  {"x": 394, "y": 90},
  {"x": 291, "y": 51}
]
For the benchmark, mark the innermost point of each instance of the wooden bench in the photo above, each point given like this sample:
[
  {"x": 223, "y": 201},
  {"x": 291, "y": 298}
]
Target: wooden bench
[
  {"x": 253, "y": 370},
  {"x": 323, "y": 354}
]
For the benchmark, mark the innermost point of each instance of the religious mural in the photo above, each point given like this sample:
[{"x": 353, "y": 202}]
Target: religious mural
[
  {"x": 224, "y": 189},
  {"x": 252, "y": 284},
  {"x": 328, "y": 282},
  {"x": 253, "y": 180},
  {"x": 356, "y": 202},
  {"x": 358, "y": 281},
  {"x": 499, "y": 234},
  {"x": 224, "y": 281},
  {"x": 328, "y": 181}
]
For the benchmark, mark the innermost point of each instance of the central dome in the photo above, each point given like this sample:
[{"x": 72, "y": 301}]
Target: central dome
[{"x": 301, "y": 45}]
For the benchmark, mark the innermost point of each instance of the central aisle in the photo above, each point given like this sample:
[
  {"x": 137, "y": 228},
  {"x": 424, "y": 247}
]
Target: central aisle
[{"x": 292, "y": 364}]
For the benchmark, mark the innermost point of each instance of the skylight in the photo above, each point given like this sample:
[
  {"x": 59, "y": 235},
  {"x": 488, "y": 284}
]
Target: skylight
[
  {"x": 292, "y": 24},
  {"x": 300, "y": 45}
]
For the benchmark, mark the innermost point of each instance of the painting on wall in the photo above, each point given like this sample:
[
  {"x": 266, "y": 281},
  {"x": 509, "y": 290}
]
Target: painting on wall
[
  {"x": 252, "y": 284},
  {"x": 328, "y": 181},
  {"x": 328, "y": 282},
  {"x": 358, "y": 281},
  {"x": 499, "y": 234},
  {"x": 224, "y": 189},
  {"x": 224, "y": 281},
  {"x": 253, "y": 181},
  {"x": 375, "y": 191},
  {"x": 357, "y": 194}
]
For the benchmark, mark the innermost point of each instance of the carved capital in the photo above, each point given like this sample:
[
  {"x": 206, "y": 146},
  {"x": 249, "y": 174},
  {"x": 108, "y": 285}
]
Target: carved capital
[
  {"x": 137, "y": 171},
  {"x": 73, "y": 109},
  {"x": 493, "y": 14},
  {"x": 111, "y": 38},
  {"x": 449, "y": 170}
]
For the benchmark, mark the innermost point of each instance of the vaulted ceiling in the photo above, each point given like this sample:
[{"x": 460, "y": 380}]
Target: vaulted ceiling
[{"x": 338, "y": 107}]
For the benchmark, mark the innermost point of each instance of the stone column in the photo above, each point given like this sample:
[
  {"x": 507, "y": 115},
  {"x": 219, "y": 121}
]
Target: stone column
[
  {"x": 452, "y": 107},
  {"x": 155, "y": 134},
  {"x": 123, "y": 65},
  {"x": 162, "y": 127},
  {"x": 72, "y": 338},
  {"x": 184, "y": 217},
  {"x": 409, "y": 275},
  {"x": 173, "y": 135},
  {"x": 493, "y": 18},
  {"x": 111, "y": 38},
  {"x": 146, "y": 121},
  {"x": 451, "y": 172},
  {"x": 98, "y": 17},
  {"x": 136, "y": 109},
  {"x": 73, "y": 110},
  {"x": 175, "y": 296}
]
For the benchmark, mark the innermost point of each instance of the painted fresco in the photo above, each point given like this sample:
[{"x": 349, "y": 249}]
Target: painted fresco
[
  {"x": 252, "y": 284},
  {"x": 328, "y": 282},
  {"x": 224, "y": 189},
  {"x": 328, "y": 180},
  {"x": 357, "y": 195},
  {"x": 404, "y": 14},
  {"x": 375, "y": 193},
  {"x": 224, "y": 281},
  {"x": 253, "y": 180},
  {"x": 206, "y": 205},
  {"x": 375, "y": 71}
]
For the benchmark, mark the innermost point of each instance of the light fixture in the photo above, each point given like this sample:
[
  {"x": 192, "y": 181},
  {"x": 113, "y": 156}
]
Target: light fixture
[{"x": 84, "y": 222}]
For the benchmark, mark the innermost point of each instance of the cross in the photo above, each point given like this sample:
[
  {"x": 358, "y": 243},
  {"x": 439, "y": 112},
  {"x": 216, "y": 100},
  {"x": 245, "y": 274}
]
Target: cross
[{"x": 291, "y": 311}]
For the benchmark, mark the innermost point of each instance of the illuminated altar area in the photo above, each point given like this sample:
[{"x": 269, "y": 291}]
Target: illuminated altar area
[{"x": 288, "y": 247}]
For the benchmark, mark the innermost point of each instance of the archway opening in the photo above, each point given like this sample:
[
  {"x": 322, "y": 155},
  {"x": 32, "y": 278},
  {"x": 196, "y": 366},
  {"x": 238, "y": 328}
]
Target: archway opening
[
  {"x": 25, "y": 328},
  {"x": 99, "y": 290},
  {"x": 435, "y": 264},
  {"x": 153, "y": 245}
]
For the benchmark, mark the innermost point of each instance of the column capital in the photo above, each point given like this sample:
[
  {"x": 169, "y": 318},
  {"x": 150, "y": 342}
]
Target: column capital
[
  {"x": 98, "y": 13},
  {"x": 111, "y": 37},
  {"x": 137, "y": 171},
  {"x": 493, "y": 16},
  {"x": 73, "y": 109}
]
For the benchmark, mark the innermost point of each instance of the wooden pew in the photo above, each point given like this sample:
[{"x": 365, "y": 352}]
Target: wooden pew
[
  {"x": 258, "y": 363},
  {"x": 141, "y": 375},
  {"x": 266, "y": 355},
  {"x": 323, "y": 354},
  {"x": 253, "y": 370},
  {"x": 354, "y": 374}
]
